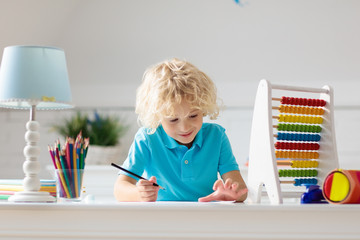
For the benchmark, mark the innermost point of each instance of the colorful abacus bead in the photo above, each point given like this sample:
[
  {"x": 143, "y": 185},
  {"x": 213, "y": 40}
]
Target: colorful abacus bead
[
  {"x": 296, "y": 155},
  {"x": 303, "y": 101},
  {"x": 299, "y": 128},
  {"x": 298, "y": 173},
  {"x": 297, "y": 146},
  {"x": 300, "y": 181},
  {"x": 298, "y": 137},
  {"x": 300, "y": 119},
  {"x": 304, "y": 164},
  {"x": 301, "y": 110}
]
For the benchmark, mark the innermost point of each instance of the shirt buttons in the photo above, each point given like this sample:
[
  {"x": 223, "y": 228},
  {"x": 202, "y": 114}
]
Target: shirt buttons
[{"x": 186, "y": 161}]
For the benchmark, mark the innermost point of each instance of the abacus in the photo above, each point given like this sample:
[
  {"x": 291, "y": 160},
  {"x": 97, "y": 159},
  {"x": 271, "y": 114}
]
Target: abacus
[{"x": 305, "y": 148}]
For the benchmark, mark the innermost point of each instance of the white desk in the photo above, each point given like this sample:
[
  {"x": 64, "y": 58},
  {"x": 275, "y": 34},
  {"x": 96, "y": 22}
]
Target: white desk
[{"x": 178, "y": 220}]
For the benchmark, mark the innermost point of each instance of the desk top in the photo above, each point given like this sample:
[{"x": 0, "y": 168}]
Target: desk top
[
  {"x": 179, "y": 220},
  {"x": 168, "y": 205}
]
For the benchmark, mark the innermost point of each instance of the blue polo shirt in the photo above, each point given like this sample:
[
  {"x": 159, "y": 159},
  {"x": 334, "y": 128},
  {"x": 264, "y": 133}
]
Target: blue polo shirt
[{"x": 186, "y": 174}]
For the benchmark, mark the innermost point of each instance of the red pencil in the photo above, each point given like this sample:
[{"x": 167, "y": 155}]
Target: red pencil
[{"x": 52, "y": 156}]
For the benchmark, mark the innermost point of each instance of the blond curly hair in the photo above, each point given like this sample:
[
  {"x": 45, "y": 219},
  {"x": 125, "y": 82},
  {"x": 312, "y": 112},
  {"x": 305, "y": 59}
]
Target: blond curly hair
[{"x": 166, "y": 85}]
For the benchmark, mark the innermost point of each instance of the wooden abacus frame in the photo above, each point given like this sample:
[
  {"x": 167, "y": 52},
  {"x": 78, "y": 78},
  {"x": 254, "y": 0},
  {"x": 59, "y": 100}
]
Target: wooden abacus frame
[{"x": 262, "y": 161}]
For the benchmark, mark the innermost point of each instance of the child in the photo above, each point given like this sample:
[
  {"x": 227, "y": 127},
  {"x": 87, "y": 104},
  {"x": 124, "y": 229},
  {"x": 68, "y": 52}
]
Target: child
[{"x": 174, "y": 148}]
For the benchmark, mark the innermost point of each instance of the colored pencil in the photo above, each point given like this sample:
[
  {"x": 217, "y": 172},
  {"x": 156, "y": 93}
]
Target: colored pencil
[
  {"x": 52, "y": 155},
  {"x": 70, "y": 153},
  {"x": 71, "y": 156},
  {"x": 62, "y": 180},
  {"x": 67, "y": 153},
  {"x": 135, "y": 175}
]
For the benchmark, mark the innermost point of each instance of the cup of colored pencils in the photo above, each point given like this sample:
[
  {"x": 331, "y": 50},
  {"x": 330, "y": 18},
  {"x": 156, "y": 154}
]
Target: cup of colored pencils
[{"x": 69, "y": 163}]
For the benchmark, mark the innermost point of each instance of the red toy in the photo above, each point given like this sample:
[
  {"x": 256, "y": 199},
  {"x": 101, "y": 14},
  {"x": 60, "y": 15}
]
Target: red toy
[{"x": 342, "y": 186}]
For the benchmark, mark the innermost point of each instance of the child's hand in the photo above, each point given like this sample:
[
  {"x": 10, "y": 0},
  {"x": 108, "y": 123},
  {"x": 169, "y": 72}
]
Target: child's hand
[
  {"x": 227, "y": 191},
  {"x": 148, "y": 192}
]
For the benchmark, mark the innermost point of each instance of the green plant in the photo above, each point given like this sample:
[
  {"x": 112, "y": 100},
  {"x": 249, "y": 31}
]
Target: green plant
[
  {"x": 72, "y": 126},
  {"x": 106, "y": 130},
  {"x": 103, "y": 130}
]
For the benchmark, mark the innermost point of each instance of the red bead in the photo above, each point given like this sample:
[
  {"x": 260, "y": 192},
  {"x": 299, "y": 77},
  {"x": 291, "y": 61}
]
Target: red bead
[{"x": 303, "y": 101}]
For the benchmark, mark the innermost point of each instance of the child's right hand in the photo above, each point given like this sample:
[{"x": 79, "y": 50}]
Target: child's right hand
[{"x": 148, "y": 192}]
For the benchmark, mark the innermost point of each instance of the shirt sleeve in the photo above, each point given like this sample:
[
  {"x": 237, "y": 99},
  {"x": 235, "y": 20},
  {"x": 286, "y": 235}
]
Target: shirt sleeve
[
  {"x": 227, "y": 161},
  {"x": 139, "y": 153}
]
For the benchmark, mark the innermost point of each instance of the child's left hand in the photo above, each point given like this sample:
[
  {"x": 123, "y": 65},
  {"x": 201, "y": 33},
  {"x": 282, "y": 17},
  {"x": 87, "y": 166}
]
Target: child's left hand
[{"x": 227, "y": 191}]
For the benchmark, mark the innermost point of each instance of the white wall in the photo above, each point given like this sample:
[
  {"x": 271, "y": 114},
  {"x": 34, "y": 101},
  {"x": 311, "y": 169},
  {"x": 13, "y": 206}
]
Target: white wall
[
  {"x": 288, "y": 41},
  {"x": 109, "y": 43}
]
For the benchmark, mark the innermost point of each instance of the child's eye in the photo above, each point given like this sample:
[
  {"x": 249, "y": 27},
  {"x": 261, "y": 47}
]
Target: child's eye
[
  {"x": 173, "y": 120},
  {"x": 193, "y": 116}
]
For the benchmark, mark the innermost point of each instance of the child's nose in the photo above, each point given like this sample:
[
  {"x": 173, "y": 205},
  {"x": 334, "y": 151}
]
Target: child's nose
[{"x": 185, "y": 126}]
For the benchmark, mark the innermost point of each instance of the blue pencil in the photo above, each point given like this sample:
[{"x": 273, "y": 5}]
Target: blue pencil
[{"x": 71, "y": 153}]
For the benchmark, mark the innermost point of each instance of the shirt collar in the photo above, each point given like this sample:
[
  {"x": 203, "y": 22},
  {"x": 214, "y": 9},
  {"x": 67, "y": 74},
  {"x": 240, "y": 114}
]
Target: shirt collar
[{"x": 199, "y": 138}]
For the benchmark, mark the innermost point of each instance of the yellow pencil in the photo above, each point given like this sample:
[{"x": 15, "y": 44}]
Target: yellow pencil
[{"x": 63, "y": 183}]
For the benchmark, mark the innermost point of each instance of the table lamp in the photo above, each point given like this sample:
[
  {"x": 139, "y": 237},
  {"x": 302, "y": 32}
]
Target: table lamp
[{"x": 33, "y": 77}]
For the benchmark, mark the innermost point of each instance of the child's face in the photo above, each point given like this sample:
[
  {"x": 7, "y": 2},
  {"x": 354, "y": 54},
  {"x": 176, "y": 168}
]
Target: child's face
[{"x": 184, "y": 125}]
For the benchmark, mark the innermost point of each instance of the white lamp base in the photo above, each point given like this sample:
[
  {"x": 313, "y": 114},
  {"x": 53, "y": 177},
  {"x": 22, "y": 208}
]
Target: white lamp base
[
  {"x": 30, "y": 196},
  {"x": 31, "y": 167}
]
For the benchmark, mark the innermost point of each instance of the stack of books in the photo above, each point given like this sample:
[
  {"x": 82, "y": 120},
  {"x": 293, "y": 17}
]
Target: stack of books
[{"x": 9, "y": 186}]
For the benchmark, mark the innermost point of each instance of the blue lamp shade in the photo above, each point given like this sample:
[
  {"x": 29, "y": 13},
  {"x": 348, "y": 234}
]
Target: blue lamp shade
[{"x": 34, "y": 75}]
